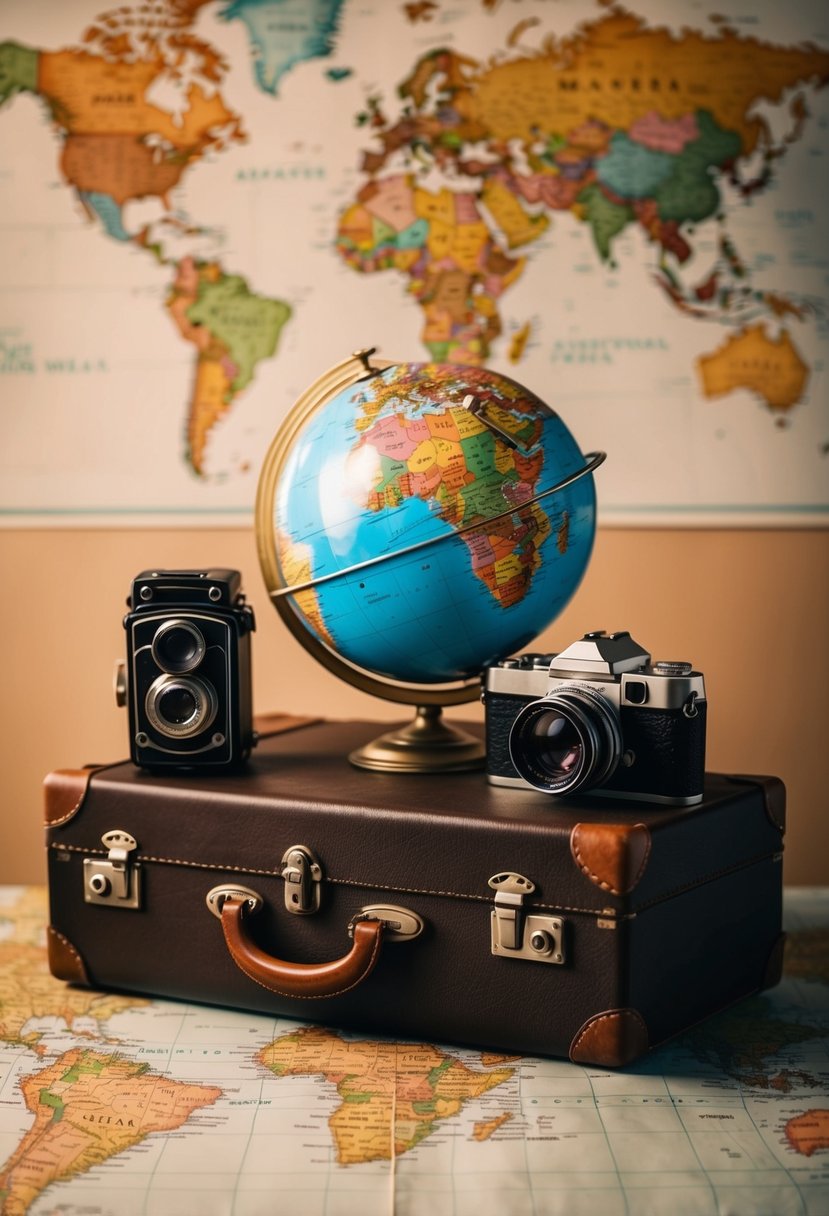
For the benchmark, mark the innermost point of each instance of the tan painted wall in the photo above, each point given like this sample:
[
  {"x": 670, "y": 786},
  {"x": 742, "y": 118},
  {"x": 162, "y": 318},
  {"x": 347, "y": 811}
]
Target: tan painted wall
[{"x": 748, "y": 608}]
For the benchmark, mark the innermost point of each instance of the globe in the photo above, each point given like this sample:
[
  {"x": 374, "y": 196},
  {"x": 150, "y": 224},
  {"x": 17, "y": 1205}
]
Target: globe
[{"x": 417, "y": 522}]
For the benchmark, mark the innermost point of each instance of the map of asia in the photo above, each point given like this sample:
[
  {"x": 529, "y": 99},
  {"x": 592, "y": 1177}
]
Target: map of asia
[
  {"x": 206, "y": 203},
  {"x": 122, "y": 1105}
]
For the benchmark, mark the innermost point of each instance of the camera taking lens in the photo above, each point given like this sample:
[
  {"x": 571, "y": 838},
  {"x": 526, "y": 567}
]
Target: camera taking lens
[
  {"x": 182, "y": 706},
  {"x": 565, "y": 742}
]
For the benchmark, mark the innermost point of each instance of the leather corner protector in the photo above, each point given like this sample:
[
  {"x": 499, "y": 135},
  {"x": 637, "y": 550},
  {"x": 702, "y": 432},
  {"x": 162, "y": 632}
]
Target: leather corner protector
[
  {"x": 611, "y": 1039},
  {"x": 774, "y": 964},
  {"x": 611, "y": 855},
  {"x": 64, "y": 792},
  {"x": 774, "y": 793},
  {"x": 65, "y": 963}
]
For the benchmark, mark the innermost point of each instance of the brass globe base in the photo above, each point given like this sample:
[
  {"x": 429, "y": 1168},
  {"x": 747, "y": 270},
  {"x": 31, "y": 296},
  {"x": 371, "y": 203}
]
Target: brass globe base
[{"x": 426, "y": 745}]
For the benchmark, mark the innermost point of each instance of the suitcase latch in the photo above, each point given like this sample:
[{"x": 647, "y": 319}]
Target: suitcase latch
[
  {"x": 302, "y": 874},
  {"x": 115, "y": 880},
  {"x": 519, "y": 934}
]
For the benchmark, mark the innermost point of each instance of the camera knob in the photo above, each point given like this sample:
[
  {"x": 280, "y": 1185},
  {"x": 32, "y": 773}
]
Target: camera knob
[{"x": 672, "y": 667}]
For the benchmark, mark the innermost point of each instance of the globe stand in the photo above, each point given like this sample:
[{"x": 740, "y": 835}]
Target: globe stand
[{"x": 425, "y": 745}]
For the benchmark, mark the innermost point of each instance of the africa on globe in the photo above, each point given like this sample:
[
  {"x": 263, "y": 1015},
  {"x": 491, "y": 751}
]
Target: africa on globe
[{"x": 418, "y": 521}]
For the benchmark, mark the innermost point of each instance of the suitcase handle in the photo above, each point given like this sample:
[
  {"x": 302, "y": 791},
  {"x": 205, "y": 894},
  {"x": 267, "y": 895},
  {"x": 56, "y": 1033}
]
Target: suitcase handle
[{"x": 304, "y": 980}]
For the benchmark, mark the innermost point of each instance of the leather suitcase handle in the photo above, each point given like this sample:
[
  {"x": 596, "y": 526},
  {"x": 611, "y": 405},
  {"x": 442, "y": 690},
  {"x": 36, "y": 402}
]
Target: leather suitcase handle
[{"x": 304, "y": 980}]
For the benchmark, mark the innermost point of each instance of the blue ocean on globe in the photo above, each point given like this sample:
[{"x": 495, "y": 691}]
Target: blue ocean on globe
[{"x": 412, "y": 516}]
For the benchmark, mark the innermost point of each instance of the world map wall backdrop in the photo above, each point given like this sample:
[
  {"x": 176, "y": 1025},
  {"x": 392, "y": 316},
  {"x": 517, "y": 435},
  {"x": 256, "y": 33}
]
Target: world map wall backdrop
[{"x": 206, "y": 203}]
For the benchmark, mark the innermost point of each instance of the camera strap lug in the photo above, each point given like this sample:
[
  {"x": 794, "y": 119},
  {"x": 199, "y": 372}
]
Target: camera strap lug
[
  {"x": 516, "y": 933},
  {"x": 115, "y": 880},
  {"x": 302, "y": 874}
]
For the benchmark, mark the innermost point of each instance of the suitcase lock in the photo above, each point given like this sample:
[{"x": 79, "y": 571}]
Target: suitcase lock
[
  {"x": 302, "y": 874},
  {"x": 116, "y": 880},
  {"x": 516, "y": 934}
]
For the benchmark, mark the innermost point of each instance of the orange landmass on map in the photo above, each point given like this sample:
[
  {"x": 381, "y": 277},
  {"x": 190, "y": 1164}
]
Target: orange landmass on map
[
  {"x": 392, "y": 1095},
  {"x": 769, "y": 367},
  {"x": 90, "y": 95},
  {"x": 88, "y": 1107},
  {"x": 121, "y": 166},
  {"x": 28, "y": 990},
  {"x": 483, "y": 1130},
  {"x": 809, "y": 1133},
  {"x": 617, "y": 70}
]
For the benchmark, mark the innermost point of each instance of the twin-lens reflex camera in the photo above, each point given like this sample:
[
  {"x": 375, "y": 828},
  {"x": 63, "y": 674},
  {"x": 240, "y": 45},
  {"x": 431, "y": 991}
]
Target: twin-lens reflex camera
[
  {"x": 187, "y": 677},
  {"x": 598, "y": 717}
]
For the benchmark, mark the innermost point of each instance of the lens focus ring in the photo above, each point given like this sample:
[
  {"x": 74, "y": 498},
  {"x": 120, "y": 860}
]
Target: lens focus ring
[{"x": 180, "y": 706}]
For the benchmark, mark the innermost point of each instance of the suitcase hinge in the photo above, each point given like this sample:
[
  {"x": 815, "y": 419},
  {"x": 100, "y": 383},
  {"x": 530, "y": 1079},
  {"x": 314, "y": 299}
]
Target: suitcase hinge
[
  {"x": 518, "y": 934},
  {"x": 302, "y": 874},
  {"x": 117, "y": 879}
]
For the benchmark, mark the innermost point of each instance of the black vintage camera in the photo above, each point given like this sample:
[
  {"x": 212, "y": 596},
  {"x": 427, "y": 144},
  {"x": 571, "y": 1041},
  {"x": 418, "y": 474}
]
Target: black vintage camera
[
  {"x": 187, "y": 678},
  {"x": 599, "y": 717}
]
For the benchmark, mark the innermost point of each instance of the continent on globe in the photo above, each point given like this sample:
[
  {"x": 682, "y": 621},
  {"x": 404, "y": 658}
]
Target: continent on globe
[
  {"x": 392, "y": 1095},
  {"x": 232, "y": 329},
  {"x": 771, "y": 368},
  {"x": 89, "y": 1106},
  {"x": 618, "y": 124},
  {"x": 284, "y": 33},
  {"x": 455, "y": 461}
]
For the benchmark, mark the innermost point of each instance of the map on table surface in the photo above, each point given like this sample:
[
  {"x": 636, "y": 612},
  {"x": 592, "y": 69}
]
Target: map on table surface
[
  {"x": 204, "y": 204},
  {"x": 118, "y": 1105}
]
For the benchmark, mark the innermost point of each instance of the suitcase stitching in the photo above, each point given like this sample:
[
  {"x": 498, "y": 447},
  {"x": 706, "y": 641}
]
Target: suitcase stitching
[{"x": 343, "y": 882}]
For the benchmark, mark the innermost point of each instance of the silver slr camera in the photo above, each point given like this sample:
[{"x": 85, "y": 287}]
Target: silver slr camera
[{"x": 597, "y": 717}]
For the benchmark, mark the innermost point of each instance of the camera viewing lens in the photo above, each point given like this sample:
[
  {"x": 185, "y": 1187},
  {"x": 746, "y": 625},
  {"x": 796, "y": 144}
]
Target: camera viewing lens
[
  {"x": 178, "y": 646},
  {"x": 569, "y": 740},
  {"x": 180, "y": 707}
]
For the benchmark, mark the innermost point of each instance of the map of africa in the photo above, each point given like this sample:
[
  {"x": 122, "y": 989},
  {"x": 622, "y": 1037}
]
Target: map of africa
[
  {"x": 205, "y": 203},
  {"x": 120, "y": 1104}
]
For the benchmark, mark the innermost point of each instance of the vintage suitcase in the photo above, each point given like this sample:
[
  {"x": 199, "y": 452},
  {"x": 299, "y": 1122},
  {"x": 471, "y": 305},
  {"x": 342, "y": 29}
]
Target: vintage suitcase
[{"x": 416, "y": 906}]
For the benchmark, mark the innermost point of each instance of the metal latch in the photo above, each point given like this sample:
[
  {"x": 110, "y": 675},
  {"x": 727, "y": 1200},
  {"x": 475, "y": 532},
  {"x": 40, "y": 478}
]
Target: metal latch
[
  {"x": 115, "y": 880},
  {"x": 518, "y": 934},
  {"x": 302, "y": 874}
]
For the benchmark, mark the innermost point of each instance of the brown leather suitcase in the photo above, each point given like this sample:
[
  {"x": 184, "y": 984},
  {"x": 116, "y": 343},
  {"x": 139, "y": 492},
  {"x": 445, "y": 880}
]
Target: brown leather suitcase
[{"x": 416, "y": 906}]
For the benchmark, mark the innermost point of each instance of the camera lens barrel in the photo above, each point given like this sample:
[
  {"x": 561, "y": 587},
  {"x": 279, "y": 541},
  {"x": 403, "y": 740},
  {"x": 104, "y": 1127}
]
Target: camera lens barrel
[
  {"x": 178, "y": 646},
  {"x": 569, "y": 740},
  {"x": 180, "y": 706}
]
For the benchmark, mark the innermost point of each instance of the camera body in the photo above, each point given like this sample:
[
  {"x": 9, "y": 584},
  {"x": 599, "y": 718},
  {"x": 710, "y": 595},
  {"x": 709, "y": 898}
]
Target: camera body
[
  {"x": 597, "y": 717},
  {"x": 187, "y": 678}
]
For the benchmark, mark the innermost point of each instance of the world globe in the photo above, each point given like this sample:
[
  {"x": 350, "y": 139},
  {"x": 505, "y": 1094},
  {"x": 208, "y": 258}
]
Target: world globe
[{"x": 415, "y": 523}]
